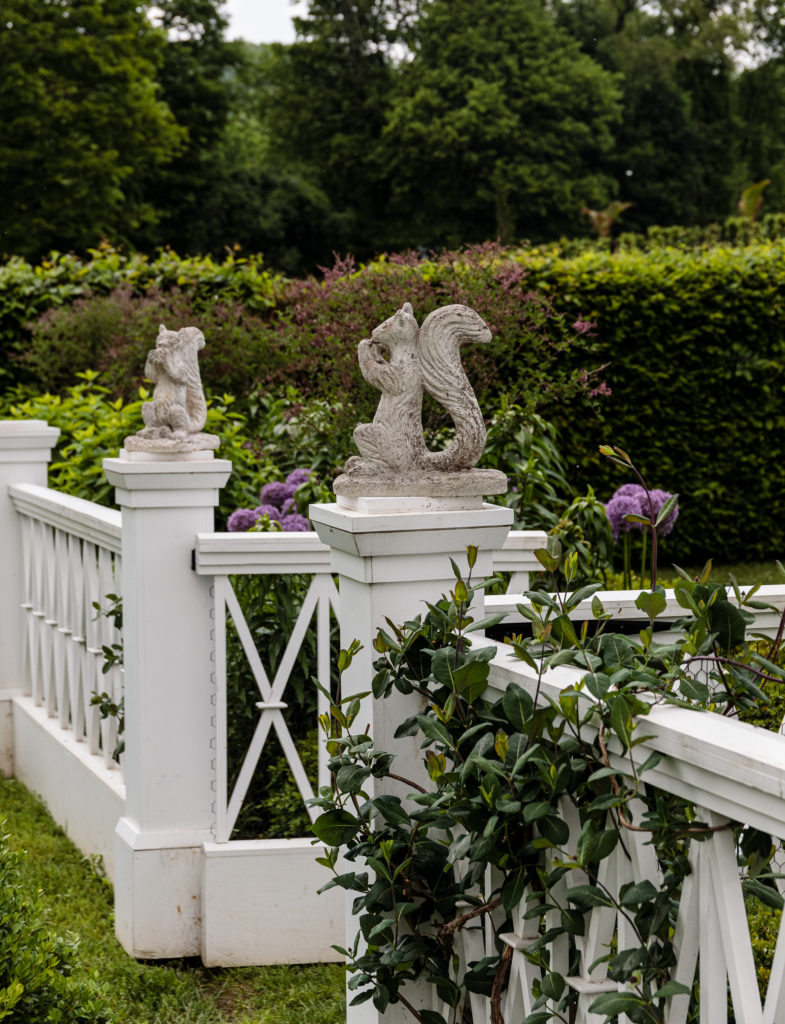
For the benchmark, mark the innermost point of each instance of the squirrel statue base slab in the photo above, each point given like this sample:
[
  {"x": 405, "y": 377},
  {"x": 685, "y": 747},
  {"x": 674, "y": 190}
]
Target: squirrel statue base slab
[
  {"x": 172, "y": 445},
  {"x": 452, "y": 484}
]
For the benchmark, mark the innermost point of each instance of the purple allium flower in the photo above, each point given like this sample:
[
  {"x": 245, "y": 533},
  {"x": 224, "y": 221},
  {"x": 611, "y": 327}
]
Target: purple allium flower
[
  {"x": 267, "y": 510},
  {"x": 620, "y": 506},
  {"x": 298, "y": 477},
  {"x": 295, "y": 523},
  {"x": 241, "y": 520},
  {"x": 658, "y": 499},
  {"x": 288, "y": 507},
  {"x": 276, "y": 493},
  {"x": 630, "y": 491}
]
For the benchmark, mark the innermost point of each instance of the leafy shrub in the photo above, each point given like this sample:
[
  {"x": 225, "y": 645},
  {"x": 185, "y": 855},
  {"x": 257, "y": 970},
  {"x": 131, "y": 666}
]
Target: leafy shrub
[
  {"x": 36, "y": 986},
  {"x": 684, "y": 335},
  {"x": 113, "y": 333},
  {"x": 93, "y": 427},
  {"x": 507, "y": 773},
  {"x": 693, "y": 349},
  {"x": 309, "y": 338},
  {"x": 28, "y": 291}
]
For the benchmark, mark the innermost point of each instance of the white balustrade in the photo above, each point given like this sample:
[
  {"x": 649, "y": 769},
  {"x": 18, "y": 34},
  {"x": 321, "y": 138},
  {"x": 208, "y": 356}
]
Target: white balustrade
[
  {"x": 732, "y": 772},
  {"x": 222, "y": 555},
  {"x": 71, "y": 562}
]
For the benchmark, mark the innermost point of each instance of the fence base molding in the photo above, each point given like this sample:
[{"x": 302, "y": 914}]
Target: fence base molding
[
  {"x": 249, "y": 889},
  {"x": 83, "y": 796},
  {"x": 157, "y": 897}
]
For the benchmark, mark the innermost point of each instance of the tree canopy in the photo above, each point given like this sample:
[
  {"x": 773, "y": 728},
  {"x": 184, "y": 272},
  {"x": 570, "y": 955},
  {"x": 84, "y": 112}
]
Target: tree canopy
[
  {"x": 387, "y": 123},
  {"x": 81, "y": 122}
]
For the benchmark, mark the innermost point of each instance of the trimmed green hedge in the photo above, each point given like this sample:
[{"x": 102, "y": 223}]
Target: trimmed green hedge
[
  {"x": 694, "y": 344},
  {"x": 692, "y": 340},
  {"x": 29, "y": 291}
]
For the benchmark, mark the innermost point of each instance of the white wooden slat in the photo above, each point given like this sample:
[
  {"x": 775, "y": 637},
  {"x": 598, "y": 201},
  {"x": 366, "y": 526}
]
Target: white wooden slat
[
  {"x": 295, "y": 642},
  {"x": 686, "y": 940},
  {"x": 734, "y": 930},
  {"x": 249, "y": 647},
  {"x": 295, "y": 764},
  {"x": 247, "y": 770},
  {"x": 712, "y": 967},
  {"x": 602, "y": 921},
  {"x": 27, "y": 602},
  {"x": 222, "y": 831},
  {"x": 50, "y": 622},
  {"x": 322, "y": 584},
  {"x": 62, "y": 631}
]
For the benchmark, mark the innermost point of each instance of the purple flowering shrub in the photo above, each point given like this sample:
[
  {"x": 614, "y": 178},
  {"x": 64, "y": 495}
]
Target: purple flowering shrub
[
  {"x": 278, "y": 508},
  {"x": 627, "y": 509}
]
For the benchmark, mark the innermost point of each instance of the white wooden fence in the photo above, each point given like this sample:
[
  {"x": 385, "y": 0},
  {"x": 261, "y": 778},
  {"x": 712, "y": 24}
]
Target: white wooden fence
[
  {"x": 52, "y": 639},
  {"x": 171, "y": 853},
  {"x": 733, "y": 772}
]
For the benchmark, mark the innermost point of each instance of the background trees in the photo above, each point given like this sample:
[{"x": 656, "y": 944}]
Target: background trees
[
  {"x": 81, "y": 122},
  {"x": 496, "y": 128},
  {"x": 388, "y": 123}
]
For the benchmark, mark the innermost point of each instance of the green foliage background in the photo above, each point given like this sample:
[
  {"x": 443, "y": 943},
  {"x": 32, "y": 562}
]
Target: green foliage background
[
  {"x": 688, "y": 339},
  {"x": 693, "y": 348}
]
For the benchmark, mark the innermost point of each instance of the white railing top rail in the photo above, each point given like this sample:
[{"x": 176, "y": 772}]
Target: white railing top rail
[
  {"x": 727, "y": 766},
  {"x": 218, "y": 554},
  {"x": 223, "y": 554},
  {"x": 620, "y": 604},
  {"x": 80, "y": 518}
]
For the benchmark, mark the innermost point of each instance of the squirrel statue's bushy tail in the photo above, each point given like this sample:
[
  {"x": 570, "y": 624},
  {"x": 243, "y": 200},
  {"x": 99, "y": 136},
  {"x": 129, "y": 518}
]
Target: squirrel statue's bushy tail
[{"x": 441, "y": 336}]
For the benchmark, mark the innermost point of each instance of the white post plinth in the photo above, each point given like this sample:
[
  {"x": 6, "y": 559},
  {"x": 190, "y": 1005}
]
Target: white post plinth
[
  {"x": 168, "y": 761},
  {"x": 390, "y": 563},
  {"x": 25, "y": 452}
]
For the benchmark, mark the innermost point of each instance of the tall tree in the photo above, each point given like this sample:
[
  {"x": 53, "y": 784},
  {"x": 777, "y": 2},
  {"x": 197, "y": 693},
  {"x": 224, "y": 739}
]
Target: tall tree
[
  {"x": 193, "y": 78},
  {"x": 496, "y": 128},
  {"x": 256, "y": 199},
  {"x": 328, "y": 107},
  {"x": 674, "y": 156},
  {"x": 80, "y": 122}
]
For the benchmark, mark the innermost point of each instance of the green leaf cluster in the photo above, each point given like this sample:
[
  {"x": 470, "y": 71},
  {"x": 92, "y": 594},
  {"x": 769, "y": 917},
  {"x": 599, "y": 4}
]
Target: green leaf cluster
[
  {"x": 482, "y": 833},
  {"x": 35, "y": 962}
]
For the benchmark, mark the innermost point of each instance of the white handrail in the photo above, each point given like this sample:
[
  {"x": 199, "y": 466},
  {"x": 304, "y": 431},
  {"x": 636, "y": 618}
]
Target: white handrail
[
  {"x": 218, "y": 554},
  {"x": 84, "y": 519},
  {"x": 720, "y": 763}
]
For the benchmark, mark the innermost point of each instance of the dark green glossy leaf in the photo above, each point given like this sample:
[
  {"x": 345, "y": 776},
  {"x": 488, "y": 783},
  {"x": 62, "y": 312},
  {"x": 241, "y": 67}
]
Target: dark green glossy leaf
[
  {"x": 335, "y": 828},
  {"x": 518, "y": 706}
]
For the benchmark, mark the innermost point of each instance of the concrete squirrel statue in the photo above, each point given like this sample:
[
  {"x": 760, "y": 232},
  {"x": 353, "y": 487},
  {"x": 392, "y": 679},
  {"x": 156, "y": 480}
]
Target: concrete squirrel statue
[
  {"x": 178, "y": 408},
  {"x": 419, "y": 359}
]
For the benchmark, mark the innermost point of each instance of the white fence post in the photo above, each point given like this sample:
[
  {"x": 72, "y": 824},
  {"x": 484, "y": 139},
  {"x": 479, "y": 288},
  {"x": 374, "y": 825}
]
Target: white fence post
[
  {"x": 168, "y": 646},
  {"x": 25, "y": 452},
  {"x": 390, "y": 564}
]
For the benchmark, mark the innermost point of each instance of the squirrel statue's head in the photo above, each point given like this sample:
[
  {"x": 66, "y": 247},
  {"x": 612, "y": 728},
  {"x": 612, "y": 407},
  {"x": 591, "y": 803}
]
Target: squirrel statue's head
[{"x": 400, "y": 329}]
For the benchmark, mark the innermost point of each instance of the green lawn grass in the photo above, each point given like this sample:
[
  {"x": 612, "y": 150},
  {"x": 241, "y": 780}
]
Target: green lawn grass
[{"x": 78, "y": 899}]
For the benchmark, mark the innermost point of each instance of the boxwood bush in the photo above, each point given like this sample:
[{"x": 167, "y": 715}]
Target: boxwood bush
[
  {"x": 36, "y": 986},
  {"x": 29, "y": 291}
]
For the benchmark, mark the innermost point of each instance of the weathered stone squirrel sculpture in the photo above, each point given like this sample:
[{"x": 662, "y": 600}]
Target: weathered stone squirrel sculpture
[
  {"x": 174, "y": 419},
  {"x": 178, "y": 408},
  {"x": 403, "y": 361}
]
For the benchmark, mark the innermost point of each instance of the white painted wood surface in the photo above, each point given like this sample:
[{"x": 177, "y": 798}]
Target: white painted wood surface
[
  {"x": 60, "y": 554},
  {"x": 389, "y": 566},
  {"x": 167, "y": 627}
]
